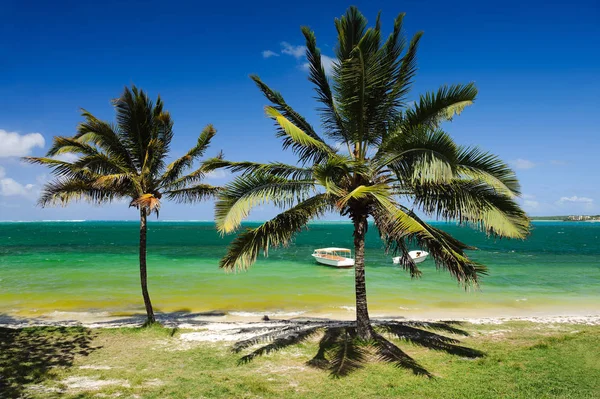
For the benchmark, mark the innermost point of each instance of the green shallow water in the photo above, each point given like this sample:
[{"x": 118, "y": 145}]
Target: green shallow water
[{"x": 49, "y": 267}]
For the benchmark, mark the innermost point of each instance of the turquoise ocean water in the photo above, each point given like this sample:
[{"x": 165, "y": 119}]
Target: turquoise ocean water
[{"x": 53, "y": 267}]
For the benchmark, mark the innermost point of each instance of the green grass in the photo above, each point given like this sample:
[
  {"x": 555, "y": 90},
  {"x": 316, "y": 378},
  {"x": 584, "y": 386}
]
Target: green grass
[{"x": 523, "y": 360}]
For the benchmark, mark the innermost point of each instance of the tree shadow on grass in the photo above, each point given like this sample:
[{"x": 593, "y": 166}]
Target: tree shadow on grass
[
  {"x": 29, "y": 355},
  {"x": 341, "y": 351}
]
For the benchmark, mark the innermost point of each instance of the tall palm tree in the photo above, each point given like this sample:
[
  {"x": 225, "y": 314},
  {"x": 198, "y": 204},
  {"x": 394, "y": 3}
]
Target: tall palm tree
[
  {"x": 383, "y": 158},
  {"x": 126, "y": 160}
]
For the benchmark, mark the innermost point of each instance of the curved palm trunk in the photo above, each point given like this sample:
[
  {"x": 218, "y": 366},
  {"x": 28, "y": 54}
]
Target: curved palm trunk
[
  {"x": 363, "y": 323},
  {"x": 143, "y": 273}
]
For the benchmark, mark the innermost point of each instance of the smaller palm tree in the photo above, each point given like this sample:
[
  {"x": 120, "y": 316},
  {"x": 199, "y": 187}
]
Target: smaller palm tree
[{"x": 127, "y": 160}]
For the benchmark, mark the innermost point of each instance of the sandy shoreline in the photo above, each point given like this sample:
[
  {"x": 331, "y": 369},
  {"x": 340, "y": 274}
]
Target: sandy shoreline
[{"x": 215, "y": 326}]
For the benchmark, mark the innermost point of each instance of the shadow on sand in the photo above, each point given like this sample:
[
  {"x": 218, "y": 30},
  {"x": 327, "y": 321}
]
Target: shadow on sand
[{"x": 29, "y": 355}]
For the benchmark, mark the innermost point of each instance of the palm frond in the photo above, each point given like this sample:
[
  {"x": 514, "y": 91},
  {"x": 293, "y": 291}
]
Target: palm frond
[
  {"x": 332, "y": 121},
  {"x": 336, "y": 172},
  {"x": 408, "y": 69},
  {"x": 399, "y": 223},
  {"x": 247, "y": 191},
  {"x": 350, "y": 29},
  {"x": 278, "y": 231},
  {"x": 60, "y": 169},
  {"x": 101, "y": 164},
  {"x": 395, "y": 242},
  {"x": 103, "y": 135},
  {"x": 418, "y": 155},
  {"x": 66, "y": 190},
  {"x": 306, "y": 147},
  {"x": 121, "y": 182},
  {"x": 474, "y": 163},
  {"x": 275, "y": 168},
  {"x": 189, "y": 195},
  {"x": 362, "y": 192},
  {"x": 474, "y": 203},
  {"x": 288, "y": 112},
  {"x": 135, "y": 117},
  {"x": 434, "y": 108},
  {"x": 65, "y": 145},
  {"x": 176, "y": 168}
]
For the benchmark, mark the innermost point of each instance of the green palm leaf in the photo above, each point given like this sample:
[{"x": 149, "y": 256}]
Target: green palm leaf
[
  {"x": 443, "y": 105},
  {"x": 307, "y": 147},
  {"x": 176, "y": 167},
  {"x": 475, "y": 203},
  {"x": 278, "y": 231},
  {"x": 245, "y": 192},
  {"x": 189, "y": 195}
]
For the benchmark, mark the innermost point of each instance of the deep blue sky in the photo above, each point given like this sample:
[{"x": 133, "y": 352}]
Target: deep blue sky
[{"x": 536, "y": 64}]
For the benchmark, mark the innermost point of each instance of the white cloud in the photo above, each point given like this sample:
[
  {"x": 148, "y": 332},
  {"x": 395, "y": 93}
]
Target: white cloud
[
  {"x": 327, "y": 63},
  {"x": 217, "y": 174},
  {"x": 294, "y": 51},
  {"x": 522, "y": 164},
  {"x": 16, "y": 145},
  {"x": 528, "y": 196},
  {"x": 583, "y": 200},
  {"x": 66, "y": 157},
  {"x": 10, "y": 188},
  {"x": 269, "y": 54}
]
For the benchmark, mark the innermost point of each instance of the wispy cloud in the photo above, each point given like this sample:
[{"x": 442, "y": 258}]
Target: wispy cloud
[
  {"x": 522, "y": 164},
  {"x": 294, "y": 51},
  {"x": 298, "y": 52},
  {"x": 218, "y": 174},
  {"x": 575, "y": 199},
  {"x": 269, "y": 54},
  {"x": 327, "y": 63},
  {"x": 17, "y": 145}
]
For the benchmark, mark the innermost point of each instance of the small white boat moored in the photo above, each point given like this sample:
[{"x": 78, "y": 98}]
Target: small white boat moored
[
  {"x": 336, "y": 257},
  {"x": 416, "y": 256}
]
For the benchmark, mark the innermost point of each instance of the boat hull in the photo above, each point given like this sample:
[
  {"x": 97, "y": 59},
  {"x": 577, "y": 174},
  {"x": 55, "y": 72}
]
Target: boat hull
[
  {"x": 341, "y": 263},
  {"x": 413, "y": 254}
]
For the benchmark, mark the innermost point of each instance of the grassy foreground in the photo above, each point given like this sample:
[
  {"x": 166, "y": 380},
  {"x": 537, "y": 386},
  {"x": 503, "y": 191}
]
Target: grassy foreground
[{"x": 523, "y": 360}]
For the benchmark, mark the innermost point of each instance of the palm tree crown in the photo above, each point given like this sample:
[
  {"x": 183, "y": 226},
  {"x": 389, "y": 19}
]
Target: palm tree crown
[
  {"x": 379, "y": 156},
  {"x": 126, "y": 160}
]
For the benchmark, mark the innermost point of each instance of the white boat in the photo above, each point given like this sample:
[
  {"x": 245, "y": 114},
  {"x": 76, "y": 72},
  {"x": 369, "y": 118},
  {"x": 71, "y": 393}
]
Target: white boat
[
  {"x": 336, "y": 257},
  {"x": 416, "y": 256}
]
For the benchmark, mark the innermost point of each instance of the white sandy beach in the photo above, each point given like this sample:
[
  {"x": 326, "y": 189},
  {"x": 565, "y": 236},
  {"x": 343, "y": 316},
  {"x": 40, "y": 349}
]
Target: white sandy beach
[{"x": 227, "y": 328}]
